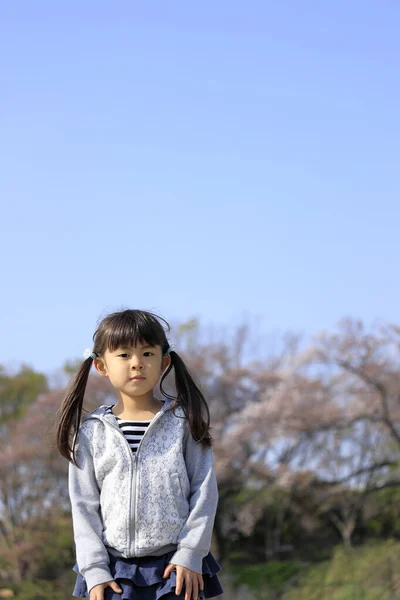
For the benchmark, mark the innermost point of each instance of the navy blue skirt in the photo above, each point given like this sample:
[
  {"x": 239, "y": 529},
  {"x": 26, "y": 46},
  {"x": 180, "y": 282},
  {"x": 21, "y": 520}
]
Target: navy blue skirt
[{"x": 141, "y": 578}]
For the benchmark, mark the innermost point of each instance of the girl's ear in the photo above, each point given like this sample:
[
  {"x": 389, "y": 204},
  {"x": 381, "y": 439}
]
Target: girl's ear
[
  {"x": 166, "y": 361},
  {"x": 100, "y": 367}
]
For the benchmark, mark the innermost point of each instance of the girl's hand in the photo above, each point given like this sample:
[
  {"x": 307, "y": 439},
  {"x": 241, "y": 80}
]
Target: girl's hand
[
  {"x": 193, "y": 581},
  {"x": 97, "y": 591}
]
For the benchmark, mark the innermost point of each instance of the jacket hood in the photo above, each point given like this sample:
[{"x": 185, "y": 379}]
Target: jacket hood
[{"x": 101, "y": 411}]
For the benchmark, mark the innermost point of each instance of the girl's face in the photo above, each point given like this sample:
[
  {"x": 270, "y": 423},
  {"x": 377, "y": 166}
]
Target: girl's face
[{"x": 133, "y": 371}]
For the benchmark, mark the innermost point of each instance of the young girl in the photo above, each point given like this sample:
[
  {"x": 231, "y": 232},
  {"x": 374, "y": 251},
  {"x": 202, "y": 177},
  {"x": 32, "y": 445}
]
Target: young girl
[{"x": 141, "y": 475}]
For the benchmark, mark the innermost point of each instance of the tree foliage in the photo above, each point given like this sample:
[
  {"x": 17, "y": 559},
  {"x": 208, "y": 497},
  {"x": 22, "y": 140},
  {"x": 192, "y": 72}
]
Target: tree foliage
[{"x": 307, "y": 445}]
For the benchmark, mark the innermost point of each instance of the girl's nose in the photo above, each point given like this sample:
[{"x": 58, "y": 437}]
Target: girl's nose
[{"x": 136, "y": 364}]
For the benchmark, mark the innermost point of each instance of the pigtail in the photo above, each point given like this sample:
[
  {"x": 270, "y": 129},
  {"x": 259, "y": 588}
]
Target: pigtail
[
  {"x": 190, "y": 399},
  {"x": 68, "y": 417}
]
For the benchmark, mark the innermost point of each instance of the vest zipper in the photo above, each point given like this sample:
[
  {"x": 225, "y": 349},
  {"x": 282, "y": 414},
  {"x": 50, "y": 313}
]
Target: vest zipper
[
  {"x": 137, "y": 476},
  {"x": 134, "y": 461}
]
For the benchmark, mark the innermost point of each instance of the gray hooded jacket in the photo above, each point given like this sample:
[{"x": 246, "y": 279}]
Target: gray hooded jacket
[{"x": 162, "y": 498}]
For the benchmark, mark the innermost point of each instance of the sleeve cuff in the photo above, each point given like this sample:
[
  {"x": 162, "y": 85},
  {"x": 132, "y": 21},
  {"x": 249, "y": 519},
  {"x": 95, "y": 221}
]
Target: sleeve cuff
[
  {"x": 189, "y": 558},
  {"x": 96, "y": 575}
]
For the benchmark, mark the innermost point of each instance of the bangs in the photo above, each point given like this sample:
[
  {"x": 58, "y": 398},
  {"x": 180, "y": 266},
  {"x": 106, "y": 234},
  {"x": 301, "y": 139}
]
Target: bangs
[{"x": 129, "y": 328}]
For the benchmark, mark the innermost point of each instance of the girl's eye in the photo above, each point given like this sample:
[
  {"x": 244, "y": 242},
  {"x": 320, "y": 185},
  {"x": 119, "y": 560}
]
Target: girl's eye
[{"x": 125, "y": 354}]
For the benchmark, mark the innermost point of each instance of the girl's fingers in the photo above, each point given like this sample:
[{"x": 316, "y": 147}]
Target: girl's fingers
[
  {"x": 97, "y": 592},
  {"x": 168, "y": 570},
  {"x": 188, "y": 588},
  {"x": 193, "y": 582},
  {"x": 201, "y": 582},
  {"x": 178, "y": 588},
  {"x": 114, "y": 585},
  {"x": 195, "y": 589}
]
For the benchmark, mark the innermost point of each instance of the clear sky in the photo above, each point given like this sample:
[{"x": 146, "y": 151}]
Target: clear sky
[{"x": 212, "y": 159}]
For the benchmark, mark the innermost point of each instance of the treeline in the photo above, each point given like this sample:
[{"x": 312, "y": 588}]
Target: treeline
[{"x": 307, "y": 444}]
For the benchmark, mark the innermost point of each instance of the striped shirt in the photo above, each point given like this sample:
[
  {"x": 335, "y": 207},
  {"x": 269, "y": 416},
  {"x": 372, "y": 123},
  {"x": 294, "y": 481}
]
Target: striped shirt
[{"x": 132, "y": 430}]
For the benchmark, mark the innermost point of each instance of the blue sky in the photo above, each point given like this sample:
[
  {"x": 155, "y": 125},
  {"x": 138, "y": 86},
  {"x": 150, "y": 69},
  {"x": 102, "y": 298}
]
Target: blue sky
[{"x": 225, "y": 160}]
